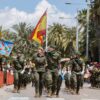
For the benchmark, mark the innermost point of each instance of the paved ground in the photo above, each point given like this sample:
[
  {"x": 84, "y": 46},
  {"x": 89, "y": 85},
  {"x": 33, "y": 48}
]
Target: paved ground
[{"x": 28, "y": 94}]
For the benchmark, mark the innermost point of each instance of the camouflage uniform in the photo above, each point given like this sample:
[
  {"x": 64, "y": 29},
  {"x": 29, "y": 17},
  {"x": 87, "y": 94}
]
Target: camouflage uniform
[
  {"x": 76, "y": 74},
  {"x": 53, "y": 61},
  {"x": 40, "y": 64},
  {"x": 17, "y": 74}
]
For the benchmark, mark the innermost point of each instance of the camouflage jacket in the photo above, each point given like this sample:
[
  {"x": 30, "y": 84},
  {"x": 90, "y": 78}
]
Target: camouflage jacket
[
  {"x": 40, "y": 63},
  {"x": 53, "y": 58},
  {"x": 17, "y": 66},
  {"x": 77, "y": 65}
]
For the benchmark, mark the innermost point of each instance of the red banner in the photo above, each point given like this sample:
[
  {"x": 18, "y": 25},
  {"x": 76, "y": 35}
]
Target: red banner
[
  {"x": 10, "y": 78},
  {"x": 1, "y": 78}
]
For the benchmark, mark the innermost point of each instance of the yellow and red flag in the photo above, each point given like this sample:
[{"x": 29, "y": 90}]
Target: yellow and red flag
[{"x": 40, "y": 29}]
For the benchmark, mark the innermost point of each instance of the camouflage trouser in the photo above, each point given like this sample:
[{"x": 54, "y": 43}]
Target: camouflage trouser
[
  {"x": 51, "y": 83},
  {"x": 75, "y": 82},
  {"x": 59, "y": 82},
  {"x": 54, "y": 82},
  {"x": 98, "y": 81},
  {"x": 78, "y": 77},
  {"x": 93, "y": 80},
  {"x": 82, "y": 80},
  {"x": 17, "y": 80},
  {"x": 37, "y": 87},
  {"x": 48, "y": 82},
  {"x": 67, "y": 81},
  {"x": 35, "y": 79},
  {"x": 38, "y": 83}
]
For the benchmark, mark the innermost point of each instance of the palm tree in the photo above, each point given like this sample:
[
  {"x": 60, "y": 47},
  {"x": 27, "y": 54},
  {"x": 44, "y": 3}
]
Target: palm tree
[
  {"x": 82, "y": 34},
  {"x": 95, "y": 17},
  {"x": 22, "y": 43},
  {"x": 82, "y": 30},
  {"x": 61, "y": 36},
  {"x": 4, "y": 33}
]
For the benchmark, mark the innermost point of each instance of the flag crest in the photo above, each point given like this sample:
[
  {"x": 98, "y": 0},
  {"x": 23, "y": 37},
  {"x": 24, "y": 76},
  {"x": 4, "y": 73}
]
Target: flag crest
[
  {"x": 6, "y": 47},
  {"x": 40, "y": 29}
]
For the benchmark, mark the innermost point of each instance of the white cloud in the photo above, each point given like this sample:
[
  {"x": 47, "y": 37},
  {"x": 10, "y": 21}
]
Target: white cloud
[{"x": 11, "y": 16}]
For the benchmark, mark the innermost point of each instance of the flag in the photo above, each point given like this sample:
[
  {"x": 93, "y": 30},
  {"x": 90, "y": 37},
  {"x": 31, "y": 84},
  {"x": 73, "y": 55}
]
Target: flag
[
  {"x": 40, "y": 29},
  {"x": 6, "y": 47}
]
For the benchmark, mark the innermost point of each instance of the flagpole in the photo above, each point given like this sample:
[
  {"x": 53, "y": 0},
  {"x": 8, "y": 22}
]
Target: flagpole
[{"x": 47, "y": 35}]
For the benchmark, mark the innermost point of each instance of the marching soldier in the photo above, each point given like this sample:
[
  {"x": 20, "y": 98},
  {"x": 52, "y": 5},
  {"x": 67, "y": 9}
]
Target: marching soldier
[
  {"x": 76, "y": 73},
  {"x": 17, "y": 74},
  {"x": 40, "y": 64},
  {"x": 53, "y": 58}
]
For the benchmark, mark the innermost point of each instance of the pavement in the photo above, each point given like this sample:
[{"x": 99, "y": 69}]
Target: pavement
[{"x": 86, "y": 93}]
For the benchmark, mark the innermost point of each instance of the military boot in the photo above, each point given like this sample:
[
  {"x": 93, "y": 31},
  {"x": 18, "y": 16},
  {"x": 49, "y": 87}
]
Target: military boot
[
  {"x": 37, "y": 95},
  {"x": 18, "y": 91},
  {"x": 49, "y": 94},
  {"x": 73, "y": 92},
  {"x": 14, "y": 90}
]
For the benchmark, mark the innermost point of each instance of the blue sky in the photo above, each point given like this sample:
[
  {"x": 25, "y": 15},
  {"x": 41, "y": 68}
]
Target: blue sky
[{"x": 31, "y": 7}]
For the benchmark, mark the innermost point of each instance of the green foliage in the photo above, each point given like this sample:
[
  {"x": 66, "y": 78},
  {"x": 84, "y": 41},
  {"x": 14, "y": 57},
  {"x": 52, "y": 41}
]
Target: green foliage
[
  {"x": 93, "y": 26},
  {"x": 62, "y": 37},
  {"x": 59, "y": 35}
]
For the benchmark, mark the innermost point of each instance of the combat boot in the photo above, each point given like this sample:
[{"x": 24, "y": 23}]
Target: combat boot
[
  {"x": 73, "y": 92},
  {"x": 57, "y": 96},
  {"x": 14, "y": 90},
  {"x": 37, "y": 95},
  {"x": 49, "y": 94}
]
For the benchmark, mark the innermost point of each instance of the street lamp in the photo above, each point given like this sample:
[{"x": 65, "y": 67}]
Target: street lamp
[
  {"x": 77, "y": 30},
  {"x": 70, "y": 3},
  {"x": 66, "y": 18},
  {"x": 87, "y": 31}
]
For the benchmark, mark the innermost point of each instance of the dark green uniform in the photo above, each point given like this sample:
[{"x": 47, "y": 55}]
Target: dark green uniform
[
  {"x": 40, "y": 64},
  {"x": 17, "y": 74},
  {"x": 53, "y": 58},
  {"x": 76, "y": 74}
]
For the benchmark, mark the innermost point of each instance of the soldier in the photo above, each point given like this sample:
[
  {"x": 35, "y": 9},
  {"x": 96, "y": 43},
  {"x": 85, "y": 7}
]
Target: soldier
[
  {"x": 53, "y": 58},
  {"x": 17, "y": 74},
  {"x": 40, "y": 64},
  {"x": 76, "y": 72}
]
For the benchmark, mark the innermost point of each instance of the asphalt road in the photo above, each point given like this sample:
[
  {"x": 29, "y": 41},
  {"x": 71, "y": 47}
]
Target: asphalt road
[{"x": 28, "y": 94}]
